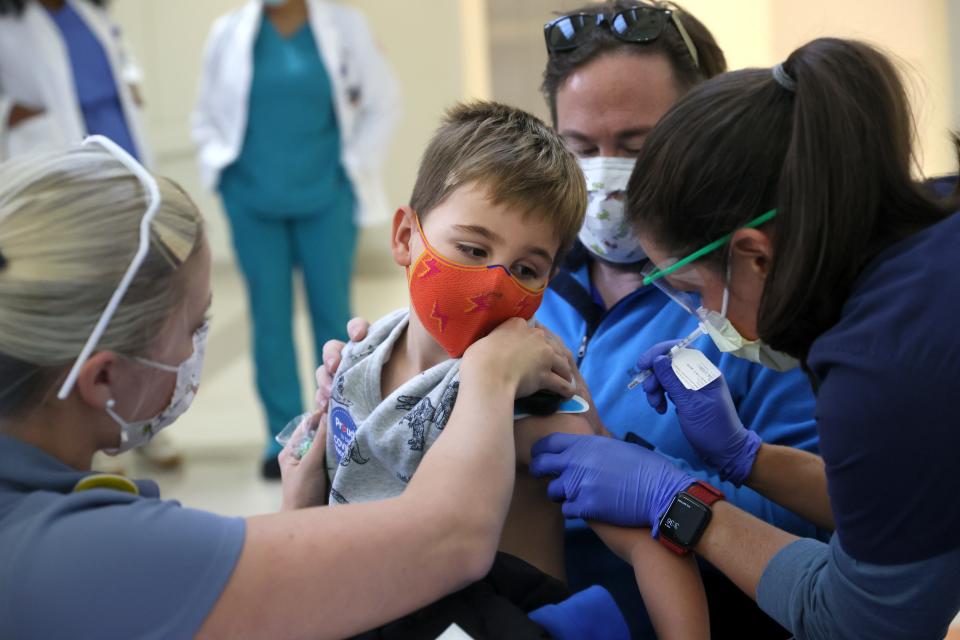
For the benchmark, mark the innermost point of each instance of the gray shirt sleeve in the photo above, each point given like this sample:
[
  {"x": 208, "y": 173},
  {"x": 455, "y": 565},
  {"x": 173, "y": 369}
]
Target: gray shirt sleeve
[
  {"x": 818, "y": 591},
  {"x": 96, "y": 567}
]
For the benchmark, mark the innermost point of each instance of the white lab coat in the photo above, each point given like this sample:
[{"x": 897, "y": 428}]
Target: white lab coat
[
  {"x": 35, "y": 72},
  {"x": 366, "y": 96}
]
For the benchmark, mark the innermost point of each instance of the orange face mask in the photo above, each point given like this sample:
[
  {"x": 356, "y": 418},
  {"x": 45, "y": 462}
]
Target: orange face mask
[{"x": 458, "y": 304}]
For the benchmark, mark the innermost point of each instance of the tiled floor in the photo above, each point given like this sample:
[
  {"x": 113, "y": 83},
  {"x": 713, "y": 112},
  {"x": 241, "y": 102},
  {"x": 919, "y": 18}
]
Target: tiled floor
[{"x": 223, "y": 433}]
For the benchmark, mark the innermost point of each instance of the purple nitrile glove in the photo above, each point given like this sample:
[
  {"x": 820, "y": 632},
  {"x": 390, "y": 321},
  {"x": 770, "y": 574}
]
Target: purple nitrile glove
[
  {"x": 707, "y": 417},
  {"x": 605, "y": 479}
]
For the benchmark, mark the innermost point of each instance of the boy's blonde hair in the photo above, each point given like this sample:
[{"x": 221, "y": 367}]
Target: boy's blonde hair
[{"x": 517, "y": 158}]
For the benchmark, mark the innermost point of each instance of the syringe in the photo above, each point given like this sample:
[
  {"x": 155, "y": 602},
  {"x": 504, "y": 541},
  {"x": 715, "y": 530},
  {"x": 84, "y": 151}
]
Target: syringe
[{"x": 638, "y": 379}]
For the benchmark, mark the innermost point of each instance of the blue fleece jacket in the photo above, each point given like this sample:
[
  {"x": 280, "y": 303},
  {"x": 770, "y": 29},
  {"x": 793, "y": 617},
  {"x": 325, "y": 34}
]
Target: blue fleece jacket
[{"x": 778, "y": 406}]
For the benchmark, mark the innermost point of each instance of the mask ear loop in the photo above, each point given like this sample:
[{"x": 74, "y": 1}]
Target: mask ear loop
[
  {"x": 726, "y": 282},
  {"x": 149, "y": 185},
  {"x": 726, "y": 293},
  {"x": 426, "y": 243},
  {"x": 111, "y": 410}
]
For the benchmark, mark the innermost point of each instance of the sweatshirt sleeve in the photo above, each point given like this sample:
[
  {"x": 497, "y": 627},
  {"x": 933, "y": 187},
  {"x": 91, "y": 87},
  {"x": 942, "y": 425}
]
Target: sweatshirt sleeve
[{"x": 818, "y": 591}]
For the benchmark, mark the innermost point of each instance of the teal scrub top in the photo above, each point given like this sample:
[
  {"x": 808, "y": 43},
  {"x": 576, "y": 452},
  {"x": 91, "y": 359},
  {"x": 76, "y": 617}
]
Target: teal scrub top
[{"x": 289, "y": 164}]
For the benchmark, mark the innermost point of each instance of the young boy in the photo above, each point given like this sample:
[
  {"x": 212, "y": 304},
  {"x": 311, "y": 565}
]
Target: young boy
[{"x": 497, "y": 201}]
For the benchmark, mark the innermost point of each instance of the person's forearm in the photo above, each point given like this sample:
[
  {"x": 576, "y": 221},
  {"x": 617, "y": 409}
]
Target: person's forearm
[
  {"x": 669, "y": 584},
  {"x": 740, "y": 545},
  {"x": 671, "y": 589},
  {"x": 751, "y": 501},
  {"x": 473, "y": 463},
  {"x": 401, "y": 554},
  {"x": 794, "y": 479}
]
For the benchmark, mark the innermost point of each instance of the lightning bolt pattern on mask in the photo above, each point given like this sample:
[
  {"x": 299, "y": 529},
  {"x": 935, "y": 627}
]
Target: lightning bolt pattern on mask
[{"x": 458, "y": 304}]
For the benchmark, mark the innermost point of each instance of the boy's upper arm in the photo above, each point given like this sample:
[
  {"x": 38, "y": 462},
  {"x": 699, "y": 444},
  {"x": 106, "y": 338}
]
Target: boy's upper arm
[{"x": 529, "y": 430}]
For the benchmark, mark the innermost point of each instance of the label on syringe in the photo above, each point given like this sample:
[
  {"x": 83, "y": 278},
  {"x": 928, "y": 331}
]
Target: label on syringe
[{"x": 694, "y": 369}]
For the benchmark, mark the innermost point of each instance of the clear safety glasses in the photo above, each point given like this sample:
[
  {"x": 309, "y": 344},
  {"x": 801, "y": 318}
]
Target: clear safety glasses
[
  {"x": 688, "y": 300},
  {"x": 641, "y": 24},
  {"x": 153, "y": 194},
  {"x": 656, "y": 275}
]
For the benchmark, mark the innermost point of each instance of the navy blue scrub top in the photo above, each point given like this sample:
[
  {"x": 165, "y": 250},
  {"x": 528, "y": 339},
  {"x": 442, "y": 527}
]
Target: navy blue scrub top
[
  {"x": 888, "y": 375},
  {"x": 103, "y": 563},
  {"x": 93, "y": 79}
]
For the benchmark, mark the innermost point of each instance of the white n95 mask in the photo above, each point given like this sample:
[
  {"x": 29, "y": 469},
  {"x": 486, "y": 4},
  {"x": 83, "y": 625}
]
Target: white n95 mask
[
  {"x": 140, "y": 432},
  {"x": 729, "y": 340},
  {"x": 605, "y": 231}
]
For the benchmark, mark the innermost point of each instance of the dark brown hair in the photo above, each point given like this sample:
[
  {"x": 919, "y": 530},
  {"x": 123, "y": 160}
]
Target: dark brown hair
[
  {"x": 511, "y": 153},
  {"x": 834, "y": 157},
  {"x": 670, "y": 45}
]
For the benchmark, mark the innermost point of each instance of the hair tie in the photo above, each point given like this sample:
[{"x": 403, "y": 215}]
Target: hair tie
[{"x": 783, "y": 78}]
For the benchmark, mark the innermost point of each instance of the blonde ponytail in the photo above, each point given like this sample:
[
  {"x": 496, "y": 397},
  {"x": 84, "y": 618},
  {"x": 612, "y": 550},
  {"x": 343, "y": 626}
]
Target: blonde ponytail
[{"x": 69, "y": 225}]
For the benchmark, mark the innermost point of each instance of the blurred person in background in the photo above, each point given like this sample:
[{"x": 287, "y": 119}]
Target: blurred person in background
[
  {"x": 66, "y": 73},
  {"x": 294, "y": 116}
]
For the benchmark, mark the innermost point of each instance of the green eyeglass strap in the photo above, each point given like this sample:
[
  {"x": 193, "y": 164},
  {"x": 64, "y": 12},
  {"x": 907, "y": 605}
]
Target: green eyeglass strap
[{"x": 699, "y": 253}]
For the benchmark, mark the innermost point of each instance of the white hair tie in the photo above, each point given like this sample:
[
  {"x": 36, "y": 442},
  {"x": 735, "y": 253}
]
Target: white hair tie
[{"x": 783, "y": 78}]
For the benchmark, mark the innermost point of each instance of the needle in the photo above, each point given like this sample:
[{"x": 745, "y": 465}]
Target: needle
[{"x": 646, "y": 373}]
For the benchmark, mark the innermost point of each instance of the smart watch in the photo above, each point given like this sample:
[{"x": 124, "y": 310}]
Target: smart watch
[{"x": 687, "y": 517}]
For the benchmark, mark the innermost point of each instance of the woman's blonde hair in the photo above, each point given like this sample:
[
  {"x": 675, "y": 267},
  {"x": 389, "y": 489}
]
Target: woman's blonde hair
[{"x": 69, "y": 227}]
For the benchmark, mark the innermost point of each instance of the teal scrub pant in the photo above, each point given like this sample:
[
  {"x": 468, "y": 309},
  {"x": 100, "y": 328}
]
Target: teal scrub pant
[{"x": 269, "y": 248}]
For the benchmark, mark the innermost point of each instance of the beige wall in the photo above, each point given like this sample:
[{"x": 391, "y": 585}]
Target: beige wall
[
  {"x": 762, "y": 33},
  {"x": 421, "y": 38},
  {"x": 915, "y": 32},
  {"x": 953, "y": 20},
  {"x": 445, "y": 50}
]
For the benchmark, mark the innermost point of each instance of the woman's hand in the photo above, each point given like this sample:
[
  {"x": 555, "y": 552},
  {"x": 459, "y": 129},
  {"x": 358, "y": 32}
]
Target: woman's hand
[
  {"x": 332, "y": 349},
  {"x": 305, "y": 479},
  {"x": 608, "y": 480},
  {"x": 526, "y": 356},
  {"x": 582, "y": 389},
  {"x": 20, "y": 113},
  {"x": 592, "y": 416},
  {"x": 708, "y": 417},
  {"x": 531, "y": 430}
]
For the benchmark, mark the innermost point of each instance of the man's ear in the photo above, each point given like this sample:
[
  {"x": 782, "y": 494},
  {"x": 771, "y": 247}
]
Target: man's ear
[
  {"x": 754, "y": 248},
  {"x": 404, "y": 230},
  {"x": 95, "y": 382}
]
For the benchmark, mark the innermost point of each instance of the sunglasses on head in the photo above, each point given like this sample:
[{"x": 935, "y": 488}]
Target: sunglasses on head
[{"x": 638, "y": 24}]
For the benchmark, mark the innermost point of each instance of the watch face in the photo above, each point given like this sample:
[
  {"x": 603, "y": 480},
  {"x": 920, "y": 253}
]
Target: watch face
[{"x": 685, "y": 520}]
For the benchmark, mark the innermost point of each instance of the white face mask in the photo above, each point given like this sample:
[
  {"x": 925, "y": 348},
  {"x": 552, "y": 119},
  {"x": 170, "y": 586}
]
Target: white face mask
[
  {"x": 605, "y": 231},
  {"x": 729, "y": 340},
  {"x": 135, "y": 434}
]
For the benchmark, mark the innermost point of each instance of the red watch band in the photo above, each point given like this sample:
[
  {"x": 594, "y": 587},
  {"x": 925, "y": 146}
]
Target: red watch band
[
  {"x": 704, "y": 493},
  {"x": 677, "y": 549}
]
